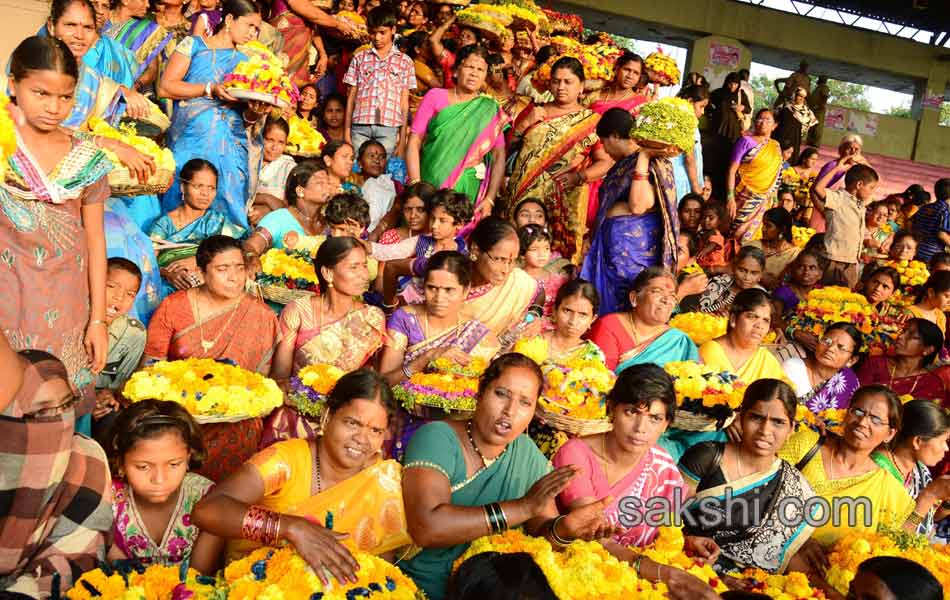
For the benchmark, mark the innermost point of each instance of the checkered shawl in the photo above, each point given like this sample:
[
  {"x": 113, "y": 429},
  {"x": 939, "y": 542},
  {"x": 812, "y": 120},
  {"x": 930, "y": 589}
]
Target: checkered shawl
[{"x": 55, "y": 498}]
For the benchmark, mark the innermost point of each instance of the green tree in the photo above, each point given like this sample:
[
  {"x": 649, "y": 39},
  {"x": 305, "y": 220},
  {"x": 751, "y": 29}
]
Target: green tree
[
  {"x": 945, "y": 114},
  {"x": 901, "y": 110},
  {"x": 848, "y": 95},
  {"x": 765, "y": 93}
]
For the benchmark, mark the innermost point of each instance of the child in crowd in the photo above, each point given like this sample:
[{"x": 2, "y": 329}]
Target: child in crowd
[
  {"x": 206, "y": 20},
  {"x": 904, "y": 246},
  {"x": 931, "y": 224},
  {"x": 939, "y": 262},
  {"x": 377, "y": 107},
  {"x": 535, "y": 253},
  {"x": 713, "y": 247},
  {"x": 277, "y": 166},
  {"x": 695, "y": 281},
  {"x": 844, "y": 213},
  {"x": 152, "y": 447},
  {"x": 690, "y": 211},
  {"x": 378, "y": 187},
  {"x": 933, "y": 300},
  {"x": 530, "y": 211},
  {"x": 347, "y": 215},
  {"x": 879, "y": 236},
  {"x": 786, "y": 200},
  {"x": 126, "y": 338}
]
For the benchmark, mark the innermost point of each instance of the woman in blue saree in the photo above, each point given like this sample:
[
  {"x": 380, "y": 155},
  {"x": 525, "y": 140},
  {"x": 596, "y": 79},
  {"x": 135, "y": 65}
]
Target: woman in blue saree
[
  {"x": 142, "y": 36},
  {"x": 207, "y": 121},
  {"x": 636, "y": 226}
]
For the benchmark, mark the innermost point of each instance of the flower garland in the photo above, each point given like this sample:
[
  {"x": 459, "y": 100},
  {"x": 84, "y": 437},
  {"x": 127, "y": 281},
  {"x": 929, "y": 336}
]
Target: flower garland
[
  {"x": 582, "y": 571},
  {"x": 310, "y": 387},
  {"x": 791, "y": 586},
  {"x": 700, "y": 327},
  {"x": 662, "y": 68},
  {"x": 262, "y": 73},
  {"x": 444, "y": 385},
  {"x": 155, "y": 582},
  {"x": 303, "y": 138},
  {"x": 281, "y": 574},
  {"x": 667, "y": 549},
  {"x": 824, "y": 306},
  {"x": 291, "y": 269},
  {"x": 801, "y": 235},
  {"x": 206, "y": 388},
  {"x": 7, "y": 133},
  {"x": 668, "y": 121},
  {"x": 703, "y": 390}
]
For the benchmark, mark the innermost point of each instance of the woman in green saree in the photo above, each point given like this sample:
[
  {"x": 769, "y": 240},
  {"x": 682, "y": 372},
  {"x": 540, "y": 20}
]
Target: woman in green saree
[
  {"x": 456, "y": 140},
  {"x": 466, "y": 479}
]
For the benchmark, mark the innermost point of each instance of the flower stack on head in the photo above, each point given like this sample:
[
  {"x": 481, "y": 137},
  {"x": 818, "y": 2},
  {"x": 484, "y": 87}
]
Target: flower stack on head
[
  {"x": 791, "y": 586},
  {"x": 913, "y": 273},
  {"x": 121, "y": 181},
  {"x": 828, "y": 305},
  {"x": 526, "y": 17},
  {"x": 582, "y": 571},
  {"x": 830, "y": 419},
  {"x": 270, "y": 573},
  {"x": 310, "y": 387},
  {"x": 661, "y": 68},
  {"x": 667, "y": 122},
  {"x": 705, "y": 398},
  {"x": 261, "y": 77},
  {"x": 492, "y": 21},
  {"x": 287, "y": 274},
  {"x": 667, "y": 549},
  {"x": 7, "y": 133},
  {"x": 211, "y": 390},
  {"x": 444, "y": 385},
  {"x": 562, "y": 23},
  {"x": 801, "y": 235},
  {"x": 857, "y": 546},
  {"x": 156, "y": 581},
  {"x": 700, "y": 327},
  {"x": 304, "y": 140}
]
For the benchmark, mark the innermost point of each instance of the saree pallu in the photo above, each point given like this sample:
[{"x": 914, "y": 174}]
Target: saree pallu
[
  {"x": 297, "y": 39},
  {"x": 501, "y": 307},
  {"x": 347, "y": 343},
  {"x": 833, "y": 394},
  {"x": 125, "y": 239},
  {"x": 44, "y": 255},
  {"x": 625, "y": 245},
  {"x": 759, "y": 171},
  {"x": 96, "y": 96},
  {"x": 762, "y": 539},
  {"x": 206, "y": 128},
  {"x": 550, "y": 148},
  {"x": 671, "y": 346},
  {"x": 458, "y": 146},
  {"x": 144, "y": 38},
  {"x": 56, "y": 495},
  {"x": 436, "y": 447}
]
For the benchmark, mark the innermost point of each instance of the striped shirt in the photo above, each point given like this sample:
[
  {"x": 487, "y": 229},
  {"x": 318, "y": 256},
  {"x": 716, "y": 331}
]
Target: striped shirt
[{"x": 930, "y": 220}]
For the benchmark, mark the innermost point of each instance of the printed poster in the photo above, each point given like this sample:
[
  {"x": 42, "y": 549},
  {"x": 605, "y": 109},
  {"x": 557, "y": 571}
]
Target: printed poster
[
  {"x": 863, "y": 123},
  {"x": 724, "y": 54},
  {"x": 836, "y": 118}
]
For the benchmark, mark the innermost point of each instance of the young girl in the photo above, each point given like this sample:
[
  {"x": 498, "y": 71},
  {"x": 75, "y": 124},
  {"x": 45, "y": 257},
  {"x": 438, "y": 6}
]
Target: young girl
[
  {"x": 414, "y": 219},
  {"x": 152, "y": 446},
  {"x": 713, "y": 247},
  {"x": 934, "y": 300},
  {"x": 277, "y": 166},
  {"x": 53, "y": 210},
  {"x": 333, "y": 118},
  {"x": 904, "y": 246},
  {"x": 690, "y": 212},
  {"x": 530, "y": 211},
  {"x": 535, "y": 253},
  {"x": 338, "y": 157},
  {"x": 805, "y": 275},
  {"x": 879, "y": 236},
  {"x": 746, "y": 273},
  {"x": 574, "y": 312}
]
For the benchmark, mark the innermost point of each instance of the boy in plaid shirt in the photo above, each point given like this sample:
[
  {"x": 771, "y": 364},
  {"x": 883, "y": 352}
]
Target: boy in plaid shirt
[{"x": 377, "y": 105}]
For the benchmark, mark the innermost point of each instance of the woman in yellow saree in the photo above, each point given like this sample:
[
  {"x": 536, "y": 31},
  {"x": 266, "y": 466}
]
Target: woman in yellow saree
[
  {"x": 325, "y": 496},
  {"x": 753, "y": 177},
  {"x": 560, "y": 158}
]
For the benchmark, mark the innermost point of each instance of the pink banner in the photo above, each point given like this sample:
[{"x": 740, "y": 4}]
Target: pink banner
[
  {"x": 723, "y": 54},
  {"x": 836, "y": 118}
]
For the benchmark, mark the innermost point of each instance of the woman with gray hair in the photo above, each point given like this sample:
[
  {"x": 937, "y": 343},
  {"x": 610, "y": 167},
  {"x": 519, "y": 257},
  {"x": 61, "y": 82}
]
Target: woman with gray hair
[{"x": 850, "y": 146}]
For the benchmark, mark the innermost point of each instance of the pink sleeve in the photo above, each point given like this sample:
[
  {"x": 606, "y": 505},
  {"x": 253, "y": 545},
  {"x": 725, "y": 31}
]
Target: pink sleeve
[
  {"x": 575, "y": 452},
  {"x": 435, "y": 100}
]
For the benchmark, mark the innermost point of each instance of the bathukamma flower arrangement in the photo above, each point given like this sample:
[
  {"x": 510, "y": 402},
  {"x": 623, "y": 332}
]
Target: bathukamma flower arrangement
[
  {"x": 662, "y": 68},
  {"x": 704, "y": 390},
  {"x": 443, "y": 385},
  {"x": 210, "y": 390},
  {"x": 7, "y": 133},
  {"x": 155, "y": 582},
  {"x": 828, "y": 305},
  {"x": 304, "y": 140},
  {"x": 291, "y": 269},
  {"x": 666, "y": 122},
  {"x": 667, "y": 549},
  {"x": 261, "y": 77},
  {"x": 310, "y": 387}
]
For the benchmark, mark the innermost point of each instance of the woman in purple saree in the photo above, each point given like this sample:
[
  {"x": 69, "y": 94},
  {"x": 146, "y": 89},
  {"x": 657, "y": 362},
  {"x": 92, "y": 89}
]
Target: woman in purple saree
[{"x": 630, "y": 233}]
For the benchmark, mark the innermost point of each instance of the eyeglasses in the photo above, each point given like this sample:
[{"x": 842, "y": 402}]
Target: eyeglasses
[
  {"x": 860, "y": 413},
  {"x": 200, "y": 187},
  {"x": 500, "y": 260},
  {"x": 827, "y": 341}
]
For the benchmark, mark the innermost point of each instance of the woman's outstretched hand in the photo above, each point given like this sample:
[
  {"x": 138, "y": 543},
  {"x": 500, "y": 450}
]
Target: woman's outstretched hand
[{"x": 322, "y": 550}]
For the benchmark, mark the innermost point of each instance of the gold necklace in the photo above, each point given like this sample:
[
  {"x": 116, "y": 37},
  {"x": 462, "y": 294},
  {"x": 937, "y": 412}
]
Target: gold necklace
[{"x": 207, "y": 345}]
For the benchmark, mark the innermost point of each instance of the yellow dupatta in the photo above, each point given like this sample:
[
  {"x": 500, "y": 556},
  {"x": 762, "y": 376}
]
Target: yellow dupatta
[{"x": 757, "y": 173}]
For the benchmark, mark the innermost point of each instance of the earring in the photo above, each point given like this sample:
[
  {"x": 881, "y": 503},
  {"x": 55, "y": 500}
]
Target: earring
[{"x": 330, "y": 283}]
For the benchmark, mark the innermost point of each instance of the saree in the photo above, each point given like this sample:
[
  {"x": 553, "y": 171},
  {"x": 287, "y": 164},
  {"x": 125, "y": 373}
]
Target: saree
[
  {"x": 631, "y": 104},
  {"x": 625, "y": 245},
  {"x": 760, "y": 164},
  {"x": 297, "y": 35},
  {"x": 274, "y": 227},
  {"x": 761, "y": 365},
  {"x": 549, "y": 148},
  {"x": 915, "y": 482},
  {"x": 143, "y": 37},
  {"x": 612, "y": 335},
  {"x": 654, "y": 476},
  {"x": 347, "y": 343},
  {"x": 501, "y": 307},
  {"x": 209, "y": 129},
  {"x": 44, "y": 254},
  {"x": 927, "y": 385},
  {"x": 107, "y": 58},
  {"x": 744, "y": 516},
  {"x": 246, "y": 335},
  {"x": 368, "y": 505},
  {"x": 54, "y": 490},
  {"x": 96, "y": 96},
  {"x": 833, "y": 394},
  {"x": 437, "y": 447},
  {"x": 458, "y": 144},
  {"x": 124, "y": 238},
  {"x": 888, "y": 501}
]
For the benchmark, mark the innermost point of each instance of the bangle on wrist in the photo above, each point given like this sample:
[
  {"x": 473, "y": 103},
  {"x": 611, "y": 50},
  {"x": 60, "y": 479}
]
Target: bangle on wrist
[
  {"x": 97, "y": 322},
  {"x": 208, "y": 90},
  {"x": 407, "y": 371},
  {"x": 558, "y": 539}
]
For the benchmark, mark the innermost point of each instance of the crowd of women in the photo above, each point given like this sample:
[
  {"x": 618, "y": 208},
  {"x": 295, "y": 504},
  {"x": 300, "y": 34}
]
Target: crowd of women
[{"x": 476, "y": 210}]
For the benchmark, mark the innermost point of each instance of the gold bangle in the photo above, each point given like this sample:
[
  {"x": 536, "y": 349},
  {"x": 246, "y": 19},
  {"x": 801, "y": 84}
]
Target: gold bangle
[{"x": 98, "y": 322}]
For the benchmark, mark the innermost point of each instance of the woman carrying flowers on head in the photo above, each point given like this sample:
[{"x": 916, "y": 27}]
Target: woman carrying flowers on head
[
  {"x": 637, "y": 221},
  {"x": 321, "y": 493},
  {"x": 560, "y": 158},
  {"x": 753, "y": 177},
  {"x": 467, "y": 479},
  {"x": 627, "y": 462},
  {"x": 824, "y": 380},
  {"x": 456, "y": 140},
  {"x": 751, "y": 470},
  {"x": 643, "y": 334},
  {"x": 334, "y": 328}
]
